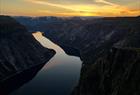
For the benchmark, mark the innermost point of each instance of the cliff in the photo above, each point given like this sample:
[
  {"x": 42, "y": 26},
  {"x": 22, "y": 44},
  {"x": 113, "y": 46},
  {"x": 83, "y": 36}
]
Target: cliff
[
  {"x": 117, "y": 73},
  {"x": 19, "y": 51},
  {"x": 109, "y": 48},
  {"x": 92, "y": 37}
]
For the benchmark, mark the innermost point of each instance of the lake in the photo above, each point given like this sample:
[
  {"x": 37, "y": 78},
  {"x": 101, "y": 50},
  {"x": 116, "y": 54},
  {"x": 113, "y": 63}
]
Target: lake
[{"x": 59, "y": 76}]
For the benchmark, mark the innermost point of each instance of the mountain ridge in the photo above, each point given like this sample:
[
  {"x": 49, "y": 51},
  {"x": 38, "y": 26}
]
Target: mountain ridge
[{"x": 104, "y": 44}]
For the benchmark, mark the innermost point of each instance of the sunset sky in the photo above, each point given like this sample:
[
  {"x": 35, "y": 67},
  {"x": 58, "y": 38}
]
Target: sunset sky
[{"x": 70, "y": 7}]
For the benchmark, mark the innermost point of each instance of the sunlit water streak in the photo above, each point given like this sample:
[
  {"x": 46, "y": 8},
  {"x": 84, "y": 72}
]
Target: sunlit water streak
[{"x": 58, "y": 77}]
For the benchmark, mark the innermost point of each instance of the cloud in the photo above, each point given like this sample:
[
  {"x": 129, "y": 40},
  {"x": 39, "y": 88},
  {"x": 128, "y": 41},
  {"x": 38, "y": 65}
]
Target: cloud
[
  {"x": 68, "y": 13},
  {"x": 106, "y": 2},
  {"x": 108, "y": 9},
  {"x": 70, "y": 7},
  {"x": 53, "y": 5}
]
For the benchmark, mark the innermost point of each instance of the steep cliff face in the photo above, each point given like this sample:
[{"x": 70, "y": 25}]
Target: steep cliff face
[
  {"x": 117, "y": 73},
  {"x": 93, "y": 37},
  {"x": 19, "y": 51}
]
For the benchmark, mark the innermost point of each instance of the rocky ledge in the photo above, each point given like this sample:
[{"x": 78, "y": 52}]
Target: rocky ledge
[
  {"x": 19, "y": 51},
  {"x": 117, "y": 73}
]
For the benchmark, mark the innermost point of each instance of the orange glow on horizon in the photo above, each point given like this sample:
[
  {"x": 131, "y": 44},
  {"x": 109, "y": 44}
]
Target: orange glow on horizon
[{"x": 51, "y": 8}]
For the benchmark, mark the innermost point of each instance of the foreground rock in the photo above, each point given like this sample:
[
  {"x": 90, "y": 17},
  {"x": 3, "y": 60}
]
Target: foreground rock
[
  {"x": 19, "y": 51},
  {"x": 117, "y": 73}
]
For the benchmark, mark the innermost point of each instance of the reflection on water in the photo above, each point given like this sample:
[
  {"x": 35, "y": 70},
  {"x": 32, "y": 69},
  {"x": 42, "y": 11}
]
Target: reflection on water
[
  {"x": 47, "y": 43},
  {"x": 57, "y": 77}
]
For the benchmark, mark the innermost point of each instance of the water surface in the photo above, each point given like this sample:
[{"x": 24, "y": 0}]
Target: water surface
[{"x": 58, "y": 77}]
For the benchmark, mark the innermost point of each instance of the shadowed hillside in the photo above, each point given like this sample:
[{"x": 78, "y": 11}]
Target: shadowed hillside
[
  {"x": 117, "y": 73},
  {"x": 19, "y": 51}
]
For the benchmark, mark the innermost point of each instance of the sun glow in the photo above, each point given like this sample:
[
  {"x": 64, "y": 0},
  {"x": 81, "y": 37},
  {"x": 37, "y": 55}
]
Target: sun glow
[
  {"x": 72, "y": 8},
  {"x": 88, "y": 14}
]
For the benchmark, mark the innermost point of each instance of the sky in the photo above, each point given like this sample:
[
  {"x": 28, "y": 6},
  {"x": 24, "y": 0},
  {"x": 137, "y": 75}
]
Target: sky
[{"x": 70, "y": 7}]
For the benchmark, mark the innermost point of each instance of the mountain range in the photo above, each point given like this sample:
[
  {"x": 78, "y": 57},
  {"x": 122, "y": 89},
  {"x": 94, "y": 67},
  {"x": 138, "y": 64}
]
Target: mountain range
[{"x": 109, "y": 48}]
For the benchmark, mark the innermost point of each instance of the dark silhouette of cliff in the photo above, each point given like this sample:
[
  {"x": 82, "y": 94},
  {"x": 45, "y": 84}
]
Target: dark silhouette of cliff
[
  {"x": 19, "y": 53},
  {"x": 117, "y": 73}
]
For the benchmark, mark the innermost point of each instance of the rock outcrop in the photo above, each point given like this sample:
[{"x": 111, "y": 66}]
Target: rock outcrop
[
  {"x": 19, "y": 51},
  {"x": 117, "y": 73}
]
